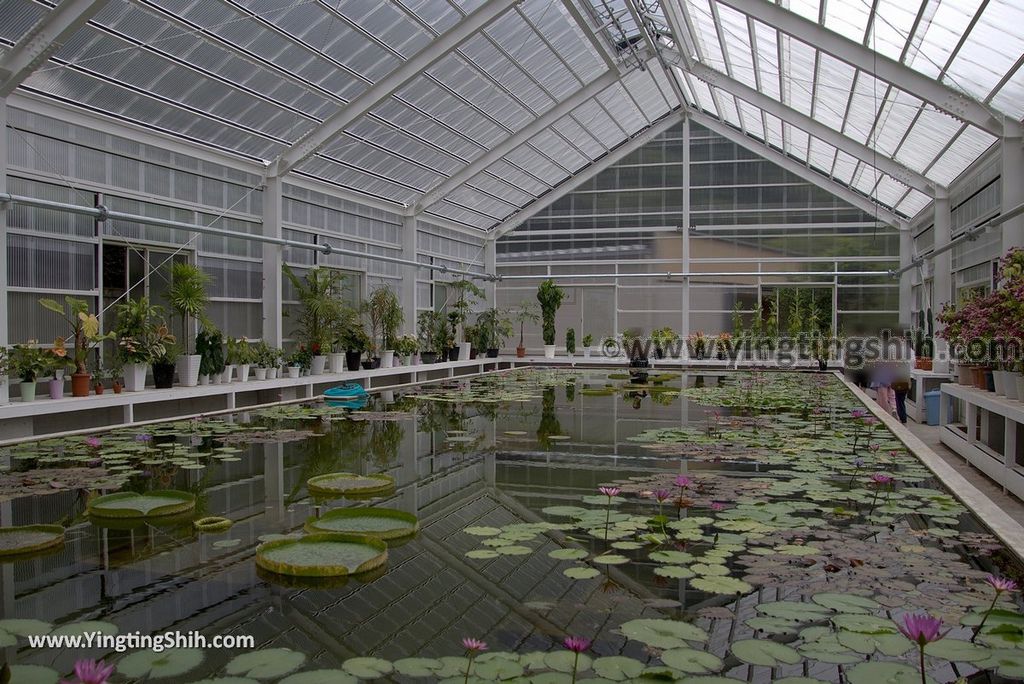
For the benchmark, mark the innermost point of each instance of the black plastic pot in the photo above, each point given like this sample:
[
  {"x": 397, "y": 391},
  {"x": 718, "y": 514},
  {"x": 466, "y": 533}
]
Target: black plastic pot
[
  {"x": 352, "y": 360},
  {"x": 453, "y": 354},
  {"x": 163, "y": 375},
  {"x": 428, "y": 357},
  {"x": 492, "y": 353}
]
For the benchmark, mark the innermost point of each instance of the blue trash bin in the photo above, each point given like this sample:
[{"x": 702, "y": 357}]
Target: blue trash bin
[{"x": 931, "y": 406}]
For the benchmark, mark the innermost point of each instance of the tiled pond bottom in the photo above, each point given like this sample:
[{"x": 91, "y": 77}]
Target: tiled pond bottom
[{"x": 706, "y": 528}]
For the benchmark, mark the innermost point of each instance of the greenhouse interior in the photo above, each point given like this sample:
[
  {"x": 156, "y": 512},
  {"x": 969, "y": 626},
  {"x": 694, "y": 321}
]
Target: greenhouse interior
[{"x": 544, "y": 341}]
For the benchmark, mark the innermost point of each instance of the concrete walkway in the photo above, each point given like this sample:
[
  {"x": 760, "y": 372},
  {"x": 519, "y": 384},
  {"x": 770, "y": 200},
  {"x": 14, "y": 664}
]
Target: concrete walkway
[{"x": 1010, "y": 504}]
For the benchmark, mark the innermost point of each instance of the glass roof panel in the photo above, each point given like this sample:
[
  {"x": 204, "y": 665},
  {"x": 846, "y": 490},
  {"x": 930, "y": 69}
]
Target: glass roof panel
[
  {"x": 1010, "y": 97},
  {"x": 751, "y": 119},
  {"x": 774, "y": 130},
  {"x": 734, "y": 27},
  {"x": 913, "y": 203},
  {"x": 968, "y": 146},
  {"x": 728, "y": 104},
  {"x": 767, "y": 40},
  {"x": 849, "y": 19},
  {"x": 938, "y": 37},
  {"x": 798, "y": 67},
  {"x": 833, "y": 91},
  {"x": 796, "y": 142},
  {"x": 898, "y": 112},
  {"x": 890, "y": 30},
  {"x": 990, "y": 51},
  {"x": 929, "y": 136},
  {"x": 820, "y": 155},
  {"x": 844, "y": 167},
  {"x": 571, "y": 128},
  {"x": 708, "y": 47}
]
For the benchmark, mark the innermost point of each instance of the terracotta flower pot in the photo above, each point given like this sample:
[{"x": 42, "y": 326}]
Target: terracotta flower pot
[
  {"x": 98, "y": 387},
  {"x": 80, "y": 384},
  {"x": 117, "y": 387},
  {"x": 521, "y": 352}
]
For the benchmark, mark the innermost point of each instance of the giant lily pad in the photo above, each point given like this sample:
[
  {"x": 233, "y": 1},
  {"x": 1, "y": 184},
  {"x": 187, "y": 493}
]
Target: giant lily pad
[
  {"x": 381, "y": 523},
  {"x": 24, "y": 539},
  {"x": 134, "y": 505},
  {"x": 341, "y": 484},
  {"x": 322, "y": 555}
]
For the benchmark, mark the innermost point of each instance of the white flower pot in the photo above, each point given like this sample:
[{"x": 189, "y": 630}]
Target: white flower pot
[
  {"x": 217, "y": 378},
  {"x": 318, "y": 364},
  {"x": 243, "y": 373},
  {"x": 387, "y": 358},
  {"x": 271, "y": 374},
  {"x": 204, "y": 379},
  {"x": 586, "y": 352},
  {"x": 135, "y": 377},
  {"x": 999, "y": 381},
  {"x": 5, "y": 390},
  {"x": 294, "y": 371},
  {"x": 1010, "y": 385},
  {"x": 336, "y": 362},
  {"x": 261, "y": 374},
  {"x": 188, "y": 370},
  {"x": 407, "y": 360},
  {"x": 549, "y": 351},
  {"x": 28, "y": 391},
  {"x": 229, "y": 372},
  {"x": 464, "y": 349},
  {"x": 1020, "y": 386}
]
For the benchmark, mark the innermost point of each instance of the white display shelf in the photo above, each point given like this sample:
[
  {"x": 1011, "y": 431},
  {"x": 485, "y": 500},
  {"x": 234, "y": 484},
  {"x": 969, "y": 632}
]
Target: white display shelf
[
  {"x": 47, "y": 416},
  {"x": 986, "y": 433}
]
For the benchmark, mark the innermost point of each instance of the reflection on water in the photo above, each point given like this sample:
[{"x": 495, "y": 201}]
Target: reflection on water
[{"x": 485, "y": 454}]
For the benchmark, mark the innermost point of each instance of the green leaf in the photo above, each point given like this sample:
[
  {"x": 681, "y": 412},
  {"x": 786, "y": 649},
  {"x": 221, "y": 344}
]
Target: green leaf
[
  {"x": 581, "y": 572},
  {"x": 721, "y": 585},
  {"x": 674, "y": 572},
  {"x": 617, "y": 668},
  {"x": 33, "y": 674},
  {"x": 80, "y": 628},
  {"x": 876, "y": 672},
  {"x": 1008, "y": 662},
  {"x": 170, "y": 663},
  {"x": 367, "y": 667},
  {"x": 25, "y": 627},
  {"x": 481, "y": 554},
  {"x": 663, "y": 634},
  {"x": 865, "y": 624},
  {"x": 496, "y": 669},
  {"x": 674, "y": 557},
  {"x": 845, "y": 603},
  {"x": 266, "y": 664},
  {"x": 482, "y": 531},
  {"x": 773, "y": 625},
  {"x": 609, "y": 559},
  {"x": 764, "y": 652},
  {"x": 562, "y": 661},
  {"x": 568, "y": 554},
  {"x": 957, "y": 650},
  {"x": 320, "y": 677},
  {"x": 793, "y": 610},
  {"x": 691, "y": 660},
  {"x": 417, "y": 667}
]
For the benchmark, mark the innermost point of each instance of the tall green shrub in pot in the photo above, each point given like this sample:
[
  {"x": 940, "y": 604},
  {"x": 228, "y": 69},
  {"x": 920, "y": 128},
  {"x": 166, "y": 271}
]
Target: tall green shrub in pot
[
  {"x": 320, "y": 313},
  {"x": 137, "y": 320},
  {"x": 550, "y": 297},
  {"x": 188, "y": 299},
  {"x": 386, "y": 316}
]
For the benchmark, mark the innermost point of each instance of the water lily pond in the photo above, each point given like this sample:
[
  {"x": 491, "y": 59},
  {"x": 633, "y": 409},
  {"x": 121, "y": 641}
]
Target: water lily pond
[{"x": 530, "y": 526}]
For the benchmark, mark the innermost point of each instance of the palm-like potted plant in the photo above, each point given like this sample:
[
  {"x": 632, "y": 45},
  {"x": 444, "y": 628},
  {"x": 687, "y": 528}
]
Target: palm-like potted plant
[
  {"x": 85, "y": 328},
  {"x": 526, "y": 313},
  {"x": 550, "y": 297},
  {"x": 187, "y": 297},
  {"x": 386, "y": 316},
  {"x": 136, "y": 320},
  {"x": 570, "y": 342},
  {"x": 321, "y": 311},
  {"x": 466, "y": 293}
]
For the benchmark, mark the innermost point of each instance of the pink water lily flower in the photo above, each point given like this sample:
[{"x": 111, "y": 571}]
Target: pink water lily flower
[
  {"x": 91, "y": 672},
  {"x": 881, "y": 479},
  {"x": 717, "y": 506},
  {"x": 476, "y": 645},
  {"x": 683, "y": 482},
  {"x": 921, "y": 628},
  {"x": 609, "y": 491},
  {"x": 662, "y": 495},
  {"x": 1001, "y": 584},
  {"x": 93, "y": 442},
  {"x": 576, "y": 644}
]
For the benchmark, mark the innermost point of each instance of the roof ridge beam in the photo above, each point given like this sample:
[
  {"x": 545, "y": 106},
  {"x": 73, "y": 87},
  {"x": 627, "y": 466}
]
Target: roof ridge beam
[
  {"x": 615, "y": 155},
  {"x": 899, "y": 75},
  {"x": 840, "y": 141},
  {"x": 45, "y": 38},
  {"x": 845, "y": 193},
  {"x": 436, "y": 50},
  {"x": 517, "y": 139}
]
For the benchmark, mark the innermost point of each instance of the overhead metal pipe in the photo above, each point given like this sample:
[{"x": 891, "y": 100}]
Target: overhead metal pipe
[
  {"x": 969, "y": 234},
  {"x": 103, "y": 214},
  {"x": 693, "y": 274}
]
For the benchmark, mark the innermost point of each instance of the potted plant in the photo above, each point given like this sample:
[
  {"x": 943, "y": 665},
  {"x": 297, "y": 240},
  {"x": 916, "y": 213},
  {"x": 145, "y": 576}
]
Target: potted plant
[
  {"x": 432, "y": 329},
  {"x": 163, "y": 349},
  {"x": 406, "y": 347},
  {"x": 723, "y": 345},
  {"x": 467, "y": 292},
  {"x": 115, "y": 372},
  {"x": 85, "y": 328},
  {"x": 386, "y": 317},
  {"x": 187, "y": 297},
  {"x": 136, "y": 319},
  {"x": 295, "y": 361},
  {"x": 98, "y": 377},
  {"x": 237, "y": 358},
  {"x": 550, "y": 297},
  {"x": 355, "y": 342},
  {"x": 5, "y": 368},
  {"x": 28, "y": 362},
  {"x": 698, "y": 344},
  {"x": 570, "y": 342},
  {"x": 494, "y": 327},
  {"x": 210, "y": 347},
  {"x": 56, "y": 360},
  {"x": 526, "y": 313},
  {"x": 321, "y": 311},
  {"x": 588, "y": 340},
  {"x": 271, "y": 361},
  {"x": 663, "y": 339}
]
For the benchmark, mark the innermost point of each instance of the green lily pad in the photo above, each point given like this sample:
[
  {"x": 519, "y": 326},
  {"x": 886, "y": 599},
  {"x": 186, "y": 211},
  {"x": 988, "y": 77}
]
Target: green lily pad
[
  {"x": 581, "y": 573},
  {"x": 482, "y": 531},
  {"x": 957, "y": 650},
  {"x": 675, "y": 557},
  {"x": 563, "y": 661},
  {"x": 417, "y": 667},
  {"x": 764, "y": 652},
  {"x": 320, "y": 677},
  {"x": 1008, "y": 662},
  {"x": 691, "y": 661},
  {"x": 617, "y": 668},
  {"x": 170, "y": 663},
  {"x": 33, "y": 674},
  {"x": 79, "y": 628},
  {"x": 266, "y": 664},
  {"x": 609, "y": 559},
  {"x": 885, "y": 672},
  {"x": 568, "y": 554},
  {"x": 793, "y": 610},
  {"x": 664, "y": 634},
  {"x": 25, "y": 627},
  {"x": 482, "y": 554},
  {"x": 368, "y": 668},
  {"x": 846, "y": 603},
  {"x": 866, "y": 624},
  {"x": 721, "y": 585},
  {"x": 674, "y": 572}
]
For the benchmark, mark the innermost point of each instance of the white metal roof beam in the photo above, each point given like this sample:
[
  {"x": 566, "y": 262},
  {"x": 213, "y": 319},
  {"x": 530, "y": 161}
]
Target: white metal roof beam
[
  {"x": 605, "y": 51},
  {"x": 516, "y": 140},
  {"x": 36, "y": 46},
  {"x": 640, "y": 139},
  {"x": 436, "y": 50},
  {"x": 885, "y": 164},
  {"x": 789, "y": 164},
  {"x": 937, "y": 94}
]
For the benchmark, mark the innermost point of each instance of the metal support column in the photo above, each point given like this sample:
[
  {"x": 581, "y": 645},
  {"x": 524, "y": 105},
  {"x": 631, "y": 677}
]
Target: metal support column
[
  {"x": 3, "y": 225},
  {"x": 942, "y": 273},
  {"x": 410, "y": 274},
  {"x": 906, "y": 256},
  {"x": 685, "y": 237},
  {"x": 273, "y": 332},
  {"x": 1013, "y": 183},
  {"x": 491, "y": 266}
]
